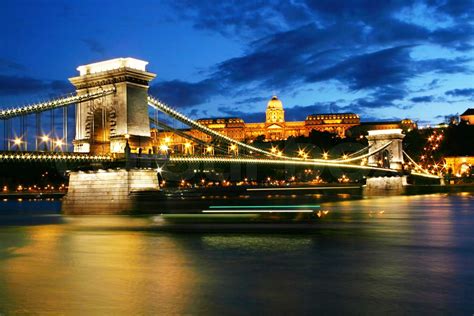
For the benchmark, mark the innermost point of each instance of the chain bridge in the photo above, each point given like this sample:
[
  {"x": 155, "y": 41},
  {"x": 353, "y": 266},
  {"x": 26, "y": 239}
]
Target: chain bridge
[{"x": 114, "y": 116}]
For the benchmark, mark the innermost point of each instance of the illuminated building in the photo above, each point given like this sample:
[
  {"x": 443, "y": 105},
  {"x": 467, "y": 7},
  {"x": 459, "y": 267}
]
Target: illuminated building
[
  {"x": 275, "y": 127},
  {"x": 468, "y": 116},
  {"x": 459, "y": 166}
]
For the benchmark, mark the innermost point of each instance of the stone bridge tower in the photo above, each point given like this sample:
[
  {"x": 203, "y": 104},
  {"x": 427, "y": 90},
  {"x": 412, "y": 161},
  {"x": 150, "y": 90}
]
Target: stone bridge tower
[
  {"x": 392, "y": 156},
  {"x": 104, "y": 125}
]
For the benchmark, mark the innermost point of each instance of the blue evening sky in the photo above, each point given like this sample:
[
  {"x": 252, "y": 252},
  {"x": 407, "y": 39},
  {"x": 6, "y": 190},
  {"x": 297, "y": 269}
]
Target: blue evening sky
[{"x": 380, "y": 59}]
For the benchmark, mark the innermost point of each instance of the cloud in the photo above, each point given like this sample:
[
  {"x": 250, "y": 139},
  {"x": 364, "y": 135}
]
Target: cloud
[
  {"x": 357, "y": 45},
  {"x": 294, "y": 113},
  {"x": 8, "y": 65},
  {"x": 251, "y": 100},
  {"x": 94, "y": 46},
  {"x": 184, "y": 94},
  {"x": 14, "y": 85},
  {"x": 423, "y": 99},
  {"x": 460, "y": 92},
  {"x": 375, "y": 22}
]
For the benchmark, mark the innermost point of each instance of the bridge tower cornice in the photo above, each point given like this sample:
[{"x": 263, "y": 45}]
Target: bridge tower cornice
[{"x": 113, "y": 77}]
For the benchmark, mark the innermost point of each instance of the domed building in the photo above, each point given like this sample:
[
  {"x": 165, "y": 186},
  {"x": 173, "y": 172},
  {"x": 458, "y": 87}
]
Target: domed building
[
  {"x": 272, "y": 129},
  {"x": 275, "y": 112}
]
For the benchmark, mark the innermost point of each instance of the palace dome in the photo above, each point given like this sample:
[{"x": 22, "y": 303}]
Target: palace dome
[{"x": 274, "y": 103}]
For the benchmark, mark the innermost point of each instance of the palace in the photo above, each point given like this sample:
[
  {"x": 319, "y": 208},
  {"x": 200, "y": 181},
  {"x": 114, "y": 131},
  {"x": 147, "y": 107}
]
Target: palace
[{"x": 274, "y": 128}]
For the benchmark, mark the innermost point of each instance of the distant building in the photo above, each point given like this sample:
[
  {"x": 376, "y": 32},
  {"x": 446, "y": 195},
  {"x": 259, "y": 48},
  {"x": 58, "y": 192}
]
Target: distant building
[
  {"x": 468, "y": 116},
  {"x": 460, "y": 166},
  {"x": 275, "y": 127}
]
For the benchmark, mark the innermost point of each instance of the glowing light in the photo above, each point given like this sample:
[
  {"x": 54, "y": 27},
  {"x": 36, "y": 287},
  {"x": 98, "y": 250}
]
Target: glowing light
[
  {"x": 164, "y": 148},
  {"x": 259, "y": 206},
  {"x": 59, "y": 142},
  {"x": 257, "y": 211},
  {"x": 187, "y": 145},
  {"x": 385, "y": 132},
  {"x": 325, "y": 155},
  {"x": 167, "y": 139},
  {"x": 112, "y": 64},
  {"x": 127, "y": 136},
  {"x": 45, "y": 138},
  {"x": 159, "y": 169},
  {"x": 17, "y": 141}
]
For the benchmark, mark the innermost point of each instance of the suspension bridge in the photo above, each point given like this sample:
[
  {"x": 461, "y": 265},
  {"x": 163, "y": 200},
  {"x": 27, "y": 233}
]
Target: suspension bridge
[{"x": 113, "y": 118}]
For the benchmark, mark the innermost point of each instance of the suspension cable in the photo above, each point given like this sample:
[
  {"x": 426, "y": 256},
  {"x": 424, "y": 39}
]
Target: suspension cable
[
  {"x": 184, "y": 119},
  {"x": 52, "y": 104}
]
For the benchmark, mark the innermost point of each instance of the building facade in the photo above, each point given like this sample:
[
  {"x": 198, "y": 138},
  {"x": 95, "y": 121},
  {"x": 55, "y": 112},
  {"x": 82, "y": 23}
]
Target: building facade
[
  {"x": 274, "y": 128},
  {"x": 468, "y": 116}
]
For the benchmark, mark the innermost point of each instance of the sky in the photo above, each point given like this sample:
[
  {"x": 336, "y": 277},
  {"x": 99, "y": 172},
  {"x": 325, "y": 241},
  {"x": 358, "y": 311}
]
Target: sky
[{"x": 384, "y": 60}]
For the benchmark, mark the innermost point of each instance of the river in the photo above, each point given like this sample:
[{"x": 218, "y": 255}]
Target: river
[{"x": 392, "y": 255}]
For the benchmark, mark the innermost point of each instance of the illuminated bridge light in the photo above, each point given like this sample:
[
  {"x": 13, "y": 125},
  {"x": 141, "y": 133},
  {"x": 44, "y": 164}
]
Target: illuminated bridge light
[
  {"x": 258, "y": 211},
  {"x": 260, "y": 206}
]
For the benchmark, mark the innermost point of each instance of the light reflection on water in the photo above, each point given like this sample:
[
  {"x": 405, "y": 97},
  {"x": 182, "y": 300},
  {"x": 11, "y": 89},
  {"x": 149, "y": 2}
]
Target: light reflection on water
[{"x": 400, "y": 254}]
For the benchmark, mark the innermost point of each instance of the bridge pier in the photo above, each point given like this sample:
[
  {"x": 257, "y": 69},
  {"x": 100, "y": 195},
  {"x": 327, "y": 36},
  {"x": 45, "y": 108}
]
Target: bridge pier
[{"x": 108, "y": 191}]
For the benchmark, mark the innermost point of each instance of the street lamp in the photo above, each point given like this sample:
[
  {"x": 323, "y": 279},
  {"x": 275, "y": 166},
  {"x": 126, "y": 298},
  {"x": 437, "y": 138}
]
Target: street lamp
[
  {"x": 17, "y": 141},
  {"x": 59, "y": 143}
]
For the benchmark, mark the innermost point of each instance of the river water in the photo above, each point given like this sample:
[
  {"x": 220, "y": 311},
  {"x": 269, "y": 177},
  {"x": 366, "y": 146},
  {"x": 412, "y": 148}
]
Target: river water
[{"x": 393, "y": 255}]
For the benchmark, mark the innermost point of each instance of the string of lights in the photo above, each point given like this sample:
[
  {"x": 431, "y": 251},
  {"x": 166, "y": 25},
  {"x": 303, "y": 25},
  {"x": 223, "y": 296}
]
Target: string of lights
[{"x": 52, "y": 104}]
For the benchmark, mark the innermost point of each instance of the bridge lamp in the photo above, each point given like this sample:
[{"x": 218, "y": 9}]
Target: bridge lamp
[
  {"x": 59, "y": 142},
  {"x": 127, "y": 136},
  {"x": 344, "y": 156},
  {"x": 209, "y": 149},
  {"x": 279, "y": 153},
  {"x": 45, "y": 138},
  {"x": 273, "y": 150},
  {"x": 325, "y": 155},
  {"x": 167, "y": 139},
  {"x": 187, "y": 145},
  {"x": 17, "y": 141},
  {"x": 159, "y": 169},
  {"x": 232, "y": 147}
]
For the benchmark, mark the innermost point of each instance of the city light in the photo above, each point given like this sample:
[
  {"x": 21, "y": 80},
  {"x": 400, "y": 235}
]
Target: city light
[
  {"x": 17, "y": 141},
  {"x": 164, "y": 148},
  {"x": 59, "y": 143},
  {"x": 45, "y": 138}
]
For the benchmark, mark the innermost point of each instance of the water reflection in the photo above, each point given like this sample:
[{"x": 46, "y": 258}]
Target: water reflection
[{"x": 406, "y": 254}]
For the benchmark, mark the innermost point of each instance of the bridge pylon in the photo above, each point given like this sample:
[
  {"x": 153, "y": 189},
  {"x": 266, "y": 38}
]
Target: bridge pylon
[
  {"x": 392, "y": 156},
  {"x": 104, "y": 125}
]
